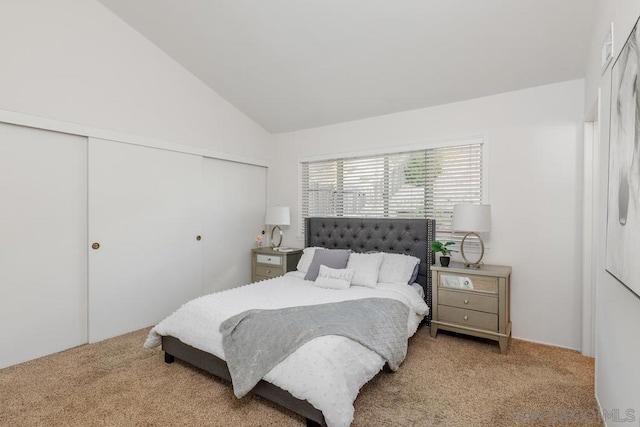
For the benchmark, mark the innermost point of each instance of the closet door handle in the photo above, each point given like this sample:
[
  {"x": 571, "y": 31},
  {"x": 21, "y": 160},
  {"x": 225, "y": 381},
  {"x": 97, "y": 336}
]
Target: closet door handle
[
  {"x": 95, "y": 246},
  {"x": 198, "y": 238}
]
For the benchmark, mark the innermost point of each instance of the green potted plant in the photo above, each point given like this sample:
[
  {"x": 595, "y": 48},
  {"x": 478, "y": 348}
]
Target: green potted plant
[{"x": 444, "y": 250}]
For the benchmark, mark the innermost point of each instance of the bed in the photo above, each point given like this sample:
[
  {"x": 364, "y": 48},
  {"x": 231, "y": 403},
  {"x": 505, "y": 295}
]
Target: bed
[{"x": 398, "y": 236}]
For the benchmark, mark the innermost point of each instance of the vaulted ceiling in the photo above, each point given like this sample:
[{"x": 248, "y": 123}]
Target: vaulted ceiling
[{"x": 296, "y": 64}]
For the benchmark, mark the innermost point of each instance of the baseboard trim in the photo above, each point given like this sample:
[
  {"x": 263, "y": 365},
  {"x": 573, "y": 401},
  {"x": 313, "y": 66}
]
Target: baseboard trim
[
  {"x": 600, "y": 410},
  {"x": 546, "y": 343}
]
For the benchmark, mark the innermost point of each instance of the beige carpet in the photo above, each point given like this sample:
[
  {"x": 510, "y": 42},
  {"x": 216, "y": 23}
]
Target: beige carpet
[{"x": 446, "y": 381}]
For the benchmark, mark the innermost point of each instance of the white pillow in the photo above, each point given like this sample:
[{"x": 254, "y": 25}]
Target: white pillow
[
  {"x": 305, "y": 260},
  {"x": 367, "y": 267},
  {"x": 333, "y": 278},
  {"x": 397, "y": 268}
]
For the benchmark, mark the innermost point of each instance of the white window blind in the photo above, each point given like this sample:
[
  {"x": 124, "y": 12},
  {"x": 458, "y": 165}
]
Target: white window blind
[{"x": 417, "y": 184}]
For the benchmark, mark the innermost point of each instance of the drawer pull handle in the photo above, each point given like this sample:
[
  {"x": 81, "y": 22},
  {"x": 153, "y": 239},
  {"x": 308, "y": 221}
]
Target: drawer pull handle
[
  {"x": 466, "y": 301},
  {"x": 466, "y": 317},
  {"x": 268, "y": 271}
]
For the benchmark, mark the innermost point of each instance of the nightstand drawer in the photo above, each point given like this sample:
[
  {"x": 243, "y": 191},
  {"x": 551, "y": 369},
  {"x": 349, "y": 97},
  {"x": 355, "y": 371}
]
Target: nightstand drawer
[
  {"x": 269, "y": 259},
  {"x": 468, "y": 300},
  {"x": 469, "y": 281},
  {"x": 267, "y": 271},
  {"x": 470, "y": 318}
]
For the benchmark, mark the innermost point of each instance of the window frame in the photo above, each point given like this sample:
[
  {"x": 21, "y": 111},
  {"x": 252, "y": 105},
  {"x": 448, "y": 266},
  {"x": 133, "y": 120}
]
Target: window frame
[{"x": 391, "y": 150}]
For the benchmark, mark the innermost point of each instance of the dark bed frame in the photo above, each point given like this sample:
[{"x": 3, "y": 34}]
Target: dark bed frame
[{"x": 395, "y": 235}]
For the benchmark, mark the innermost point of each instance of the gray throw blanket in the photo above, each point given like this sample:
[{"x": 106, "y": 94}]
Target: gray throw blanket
[{"x": 255, "y": 341}]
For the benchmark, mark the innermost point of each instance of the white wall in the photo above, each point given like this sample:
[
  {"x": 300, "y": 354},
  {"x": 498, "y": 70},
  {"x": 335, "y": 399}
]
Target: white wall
[
  {"x": 534, "y": 140},
  {"x": 75, "y": 61},
  {"x": 617, "y": 309}
]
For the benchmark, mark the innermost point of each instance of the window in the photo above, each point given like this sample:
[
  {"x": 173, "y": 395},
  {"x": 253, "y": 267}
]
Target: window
[{"x": 415, "y": 184}]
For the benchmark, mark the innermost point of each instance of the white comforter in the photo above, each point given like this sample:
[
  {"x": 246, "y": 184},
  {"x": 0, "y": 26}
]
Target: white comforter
[{"x": 327, "y": 371}]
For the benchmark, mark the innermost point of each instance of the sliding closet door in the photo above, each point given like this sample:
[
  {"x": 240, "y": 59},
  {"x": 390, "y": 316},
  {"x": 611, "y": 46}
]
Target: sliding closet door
[
  {"x": 235, "y": 196},
  {"x": 43, "y": 231},
  {"x": 145, "y": 216}
]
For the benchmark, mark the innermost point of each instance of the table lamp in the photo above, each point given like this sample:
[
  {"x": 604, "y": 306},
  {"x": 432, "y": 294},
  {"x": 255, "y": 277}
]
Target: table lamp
[
  {"x": 472, "y": 219},
  {"x": 277, "y": 216}
]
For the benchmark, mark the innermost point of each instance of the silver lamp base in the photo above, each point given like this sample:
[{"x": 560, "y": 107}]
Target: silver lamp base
[
  {"x": 273, "y": 245},
  {"x": 468, "y": 263}
]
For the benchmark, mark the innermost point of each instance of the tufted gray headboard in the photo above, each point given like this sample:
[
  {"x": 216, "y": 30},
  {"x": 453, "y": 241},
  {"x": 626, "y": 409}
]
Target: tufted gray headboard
[{"x": 395, "y": 235}]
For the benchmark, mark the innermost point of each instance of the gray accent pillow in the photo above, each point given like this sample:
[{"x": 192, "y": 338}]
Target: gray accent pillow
[
  {"x": 332, "y": 258},
  {"x": 414, "y": 275}
]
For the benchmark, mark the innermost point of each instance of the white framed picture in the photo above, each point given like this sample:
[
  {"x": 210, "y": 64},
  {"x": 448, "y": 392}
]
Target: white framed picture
[{"x": 623, "y": 202}]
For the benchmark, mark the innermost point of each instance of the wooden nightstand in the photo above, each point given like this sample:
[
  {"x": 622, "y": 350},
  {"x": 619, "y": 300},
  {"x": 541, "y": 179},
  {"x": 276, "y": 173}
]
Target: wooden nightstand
[
  {"x": 472, "y": 301},
  {"x": 267, "y": 263}
]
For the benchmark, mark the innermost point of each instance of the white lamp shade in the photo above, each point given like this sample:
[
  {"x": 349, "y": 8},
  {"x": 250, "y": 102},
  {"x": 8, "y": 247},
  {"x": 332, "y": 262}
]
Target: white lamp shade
[
  {"x": 277, "y": 215},
  {"x": 472, "y": 218}
]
